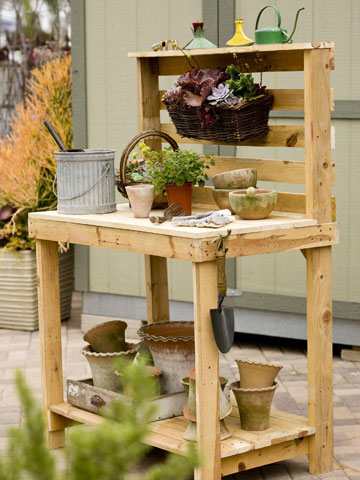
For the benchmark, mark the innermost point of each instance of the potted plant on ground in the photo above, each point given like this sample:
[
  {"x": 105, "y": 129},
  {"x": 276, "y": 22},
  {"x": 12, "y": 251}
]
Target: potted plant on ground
[
  {"x": 175, "y": 172},
  {"x": 27, "y": 166}
]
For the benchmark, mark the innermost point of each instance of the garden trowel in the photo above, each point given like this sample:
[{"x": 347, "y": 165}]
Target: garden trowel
[{"x": 222, "y": 318}]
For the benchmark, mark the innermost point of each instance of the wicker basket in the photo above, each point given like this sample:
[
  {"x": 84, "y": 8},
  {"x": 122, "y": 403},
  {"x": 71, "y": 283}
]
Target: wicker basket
[
  {"x": 233, "y": 124},
  {"x": 159, "y": 201}
]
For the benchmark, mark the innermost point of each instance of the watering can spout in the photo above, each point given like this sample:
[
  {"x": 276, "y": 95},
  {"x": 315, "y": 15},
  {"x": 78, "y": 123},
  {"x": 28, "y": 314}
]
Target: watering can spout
[{"x": 288, "y": 40}]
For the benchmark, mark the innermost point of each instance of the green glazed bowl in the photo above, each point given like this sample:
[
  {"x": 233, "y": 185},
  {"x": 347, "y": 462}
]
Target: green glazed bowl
[{"x": 254, "y": 206}]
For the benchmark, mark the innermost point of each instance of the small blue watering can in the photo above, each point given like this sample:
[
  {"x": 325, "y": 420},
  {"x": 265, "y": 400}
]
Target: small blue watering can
[{"x": 274, "y": 34}]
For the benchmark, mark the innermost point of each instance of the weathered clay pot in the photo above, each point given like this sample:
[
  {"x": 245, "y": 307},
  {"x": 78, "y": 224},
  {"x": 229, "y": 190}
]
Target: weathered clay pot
[
  {"x": 255, "y": 206},
  {"x": 257, "y": 374},
  {"x": 221, "y": 197},
  {"x": 141, "y": 199},
  {"x": 254, "y": 405},
  {"x": 235, "y": 179},
  {"x": 153, "y": 372},
  {"x": 172, "y": 346},
  {"x": 103, "y": 367},
  {"x": 107, "y": 337},
  {"x": 225, "y": 408}
]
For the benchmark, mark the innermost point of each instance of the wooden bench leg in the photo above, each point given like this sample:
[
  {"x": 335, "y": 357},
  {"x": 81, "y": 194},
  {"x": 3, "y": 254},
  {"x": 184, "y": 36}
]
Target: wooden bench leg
[
  {"x": 320, "y": 366},
  {"x": 157, "y": 292},
  {"x": 207, "y": 371},
  {"x": 50, "y": 338}
]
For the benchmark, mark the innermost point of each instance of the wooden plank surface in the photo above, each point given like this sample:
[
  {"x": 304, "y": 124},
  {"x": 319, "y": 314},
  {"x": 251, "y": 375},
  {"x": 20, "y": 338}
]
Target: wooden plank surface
[
  {"x": 291, "y": 136},
  {"x": 317, "y": 135},
  {"x": 248, "y": 49},
  {"x": 50, "y": 338},
  {"x": 157, "y": 292},
  {"x": 207, "y": 371},
  {"x": 320, "y": 361}
]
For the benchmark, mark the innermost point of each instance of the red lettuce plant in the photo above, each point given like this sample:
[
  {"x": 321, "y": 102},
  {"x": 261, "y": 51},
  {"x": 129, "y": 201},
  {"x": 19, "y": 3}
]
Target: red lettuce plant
[{"x": 198, "y": 84}]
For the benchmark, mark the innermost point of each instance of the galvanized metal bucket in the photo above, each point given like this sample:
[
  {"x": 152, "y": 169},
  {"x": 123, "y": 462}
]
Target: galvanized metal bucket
[{"x": 85, "y": 181}]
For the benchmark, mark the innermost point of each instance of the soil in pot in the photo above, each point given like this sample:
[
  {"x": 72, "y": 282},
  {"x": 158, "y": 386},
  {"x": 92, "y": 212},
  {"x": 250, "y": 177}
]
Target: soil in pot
[
  {"x": 181, "y": 196},
  {"x": 172, "y": 346}
]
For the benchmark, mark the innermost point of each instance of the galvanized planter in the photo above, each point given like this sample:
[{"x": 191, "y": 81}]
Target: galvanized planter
[
  {"x": 18, "y": 288},
  {"x": 85, "y": 182}
]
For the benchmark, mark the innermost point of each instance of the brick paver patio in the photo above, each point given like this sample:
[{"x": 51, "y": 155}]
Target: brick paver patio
[{"x": 21, "y": 350}]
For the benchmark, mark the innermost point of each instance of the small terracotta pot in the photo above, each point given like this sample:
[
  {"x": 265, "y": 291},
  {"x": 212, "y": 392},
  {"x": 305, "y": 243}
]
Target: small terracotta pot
[
  {"x": 257, "y": 374},
  {"x": 181, "y": 196},
  {"x": 253, "y": 207},
  {"x": 254, "y": 406},
  {"x": 141, "y": 199},
  {"x": 153, "y": 372},
  {"x": 172, "y": 346},
  {"x": 103, "y": 367},
  {"x": 235, "y": 179},
  {"x": 107, "y": 337}
]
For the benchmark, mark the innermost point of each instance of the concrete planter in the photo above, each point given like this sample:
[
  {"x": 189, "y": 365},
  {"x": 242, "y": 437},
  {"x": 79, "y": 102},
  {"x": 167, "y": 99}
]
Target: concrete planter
[{"x": 18, "y": 288}]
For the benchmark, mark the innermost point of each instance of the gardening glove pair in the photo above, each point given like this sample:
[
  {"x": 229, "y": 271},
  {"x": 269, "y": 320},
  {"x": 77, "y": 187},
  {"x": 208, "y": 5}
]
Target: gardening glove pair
[{"x": 214, "y": 219}]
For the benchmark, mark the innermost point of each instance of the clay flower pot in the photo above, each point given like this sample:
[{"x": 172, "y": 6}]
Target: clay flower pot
[
  {"x": 253, "y": 204},
  {"x": 235, "y": 179},
  {"x": 254, "y": 405},
  {"x": 141, "y": 198},
  {"x": 153, "y": 372},
  {"x": 103, "y": 368},
  {"x": 189, "y": 384},
  {"x": 181, "y": 196},
  {"x": 107, "y": 337},
  {"x": 257, "y": 374},
  {"x": 172, "y": 347},
  {"x": 221, "y": 197}
]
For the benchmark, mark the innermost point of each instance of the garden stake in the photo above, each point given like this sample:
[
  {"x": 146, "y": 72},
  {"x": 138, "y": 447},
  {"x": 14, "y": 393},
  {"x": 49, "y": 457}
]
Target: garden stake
[{"x": 222, "y": 318}]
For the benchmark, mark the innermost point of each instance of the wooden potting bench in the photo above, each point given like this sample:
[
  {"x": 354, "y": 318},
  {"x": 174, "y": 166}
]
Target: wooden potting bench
[{"x": 301, "y": 222}]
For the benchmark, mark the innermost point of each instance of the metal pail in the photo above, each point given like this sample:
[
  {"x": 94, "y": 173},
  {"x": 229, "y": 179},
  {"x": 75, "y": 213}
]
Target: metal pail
[{"x": 85, "y": 181}]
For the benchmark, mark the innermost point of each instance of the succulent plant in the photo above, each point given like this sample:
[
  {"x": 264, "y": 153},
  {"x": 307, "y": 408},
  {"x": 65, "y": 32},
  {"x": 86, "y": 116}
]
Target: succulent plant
[{"x": 222, "y": 94}]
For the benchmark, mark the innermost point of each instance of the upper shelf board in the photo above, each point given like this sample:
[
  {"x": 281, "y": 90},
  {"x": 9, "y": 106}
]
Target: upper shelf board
[{"x": 249, "y": 49}]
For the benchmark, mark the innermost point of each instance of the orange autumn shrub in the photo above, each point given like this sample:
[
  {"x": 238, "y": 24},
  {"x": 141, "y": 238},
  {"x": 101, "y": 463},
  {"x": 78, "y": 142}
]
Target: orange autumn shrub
[{"x": 27, "y": 162}]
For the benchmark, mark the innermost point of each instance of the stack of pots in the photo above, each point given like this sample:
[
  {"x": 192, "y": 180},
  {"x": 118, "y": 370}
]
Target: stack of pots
[
  {"x": 232, "y": 181},
  {"x": 254, "y": 393},
  {"x": 106, "y": 344},
  {"x": 172, "y": 346}
]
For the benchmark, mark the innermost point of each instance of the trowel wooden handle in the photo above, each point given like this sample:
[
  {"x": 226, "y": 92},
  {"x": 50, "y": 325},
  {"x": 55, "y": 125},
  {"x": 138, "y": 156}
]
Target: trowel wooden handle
[{"x": 221, "y": 275}]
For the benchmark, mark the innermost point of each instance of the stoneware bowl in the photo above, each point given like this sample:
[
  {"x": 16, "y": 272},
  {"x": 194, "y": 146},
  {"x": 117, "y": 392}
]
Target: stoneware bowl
[
  {"x": 242, "y": 178},
  {"x": 253, "y": 204},
  {"x": 221, "y": 197}
]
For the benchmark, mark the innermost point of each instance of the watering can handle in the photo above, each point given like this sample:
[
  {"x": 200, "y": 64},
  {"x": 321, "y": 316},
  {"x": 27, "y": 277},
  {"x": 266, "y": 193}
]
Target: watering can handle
[{"x": 277, "y": 13}]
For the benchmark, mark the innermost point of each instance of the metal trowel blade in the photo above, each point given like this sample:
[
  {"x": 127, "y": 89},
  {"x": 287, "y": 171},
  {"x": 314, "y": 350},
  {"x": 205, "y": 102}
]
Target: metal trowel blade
[{"x": 223, "y": 327}]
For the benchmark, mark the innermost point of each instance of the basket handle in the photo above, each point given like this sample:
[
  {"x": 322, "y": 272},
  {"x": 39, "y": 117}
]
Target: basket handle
[
  {"x": 106, "y": 170},
  {"x": 121, "y": 183}
]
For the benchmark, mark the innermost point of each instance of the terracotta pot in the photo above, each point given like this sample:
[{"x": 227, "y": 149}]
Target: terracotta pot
[
  {"x": 141, "y": 199},
  {"x": 254, "y": 406},
  {"x": 235, "y": 179},
  {"x": 180, "y": 196},
  {"x": 153, "y": 372},
  {"x": 255, "y": 206},
  {"x": 172, "y": 347},
  {"x": 103, "y": 367},
  {"x": 257, "y": 374},
  {"x": 189, "y": 384},
  {"x": 107, "y": 337}
]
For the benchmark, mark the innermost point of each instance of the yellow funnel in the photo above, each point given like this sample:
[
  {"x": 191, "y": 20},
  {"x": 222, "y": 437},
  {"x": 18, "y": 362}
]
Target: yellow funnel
[{"x": 239, "y": 39}]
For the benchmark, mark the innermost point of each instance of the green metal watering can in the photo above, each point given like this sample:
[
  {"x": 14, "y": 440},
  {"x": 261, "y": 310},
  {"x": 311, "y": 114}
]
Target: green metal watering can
[{"x": 274, "y": 34}]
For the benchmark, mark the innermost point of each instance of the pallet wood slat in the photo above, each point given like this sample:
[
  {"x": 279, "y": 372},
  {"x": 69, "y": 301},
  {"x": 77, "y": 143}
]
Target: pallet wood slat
[{"x": 284, "y": 99}]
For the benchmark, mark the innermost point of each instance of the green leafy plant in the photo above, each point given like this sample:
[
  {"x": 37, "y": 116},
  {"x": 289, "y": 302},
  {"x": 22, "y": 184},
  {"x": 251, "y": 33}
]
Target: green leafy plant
[
  {"x": 174, "y": 167},
  {"x": 107, "y": 452},
  {"x": 242, "y": 84}
]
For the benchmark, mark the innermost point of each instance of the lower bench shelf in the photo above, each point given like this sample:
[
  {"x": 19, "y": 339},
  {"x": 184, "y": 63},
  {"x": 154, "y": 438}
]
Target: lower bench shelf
[{"x": 287, "y": 437}]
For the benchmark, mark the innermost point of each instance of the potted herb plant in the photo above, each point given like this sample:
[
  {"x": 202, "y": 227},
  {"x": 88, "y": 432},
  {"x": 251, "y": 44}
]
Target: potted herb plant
[
  {"x": 175, "y": 172},
  {"x": 27, "y": 166}
]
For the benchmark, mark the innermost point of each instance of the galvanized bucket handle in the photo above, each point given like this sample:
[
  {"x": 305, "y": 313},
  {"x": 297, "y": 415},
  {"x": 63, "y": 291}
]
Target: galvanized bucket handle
[
  {"x": 107, "y": 169},
  {"x": 277, "y": 13}
]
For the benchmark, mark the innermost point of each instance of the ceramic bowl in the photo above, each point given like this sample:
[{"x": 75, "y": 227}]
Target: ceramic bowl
[
  {"x": 242, "y": 178},
  {"x": 221, "y": 197},
  {"x": 253, "y": 207}
]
